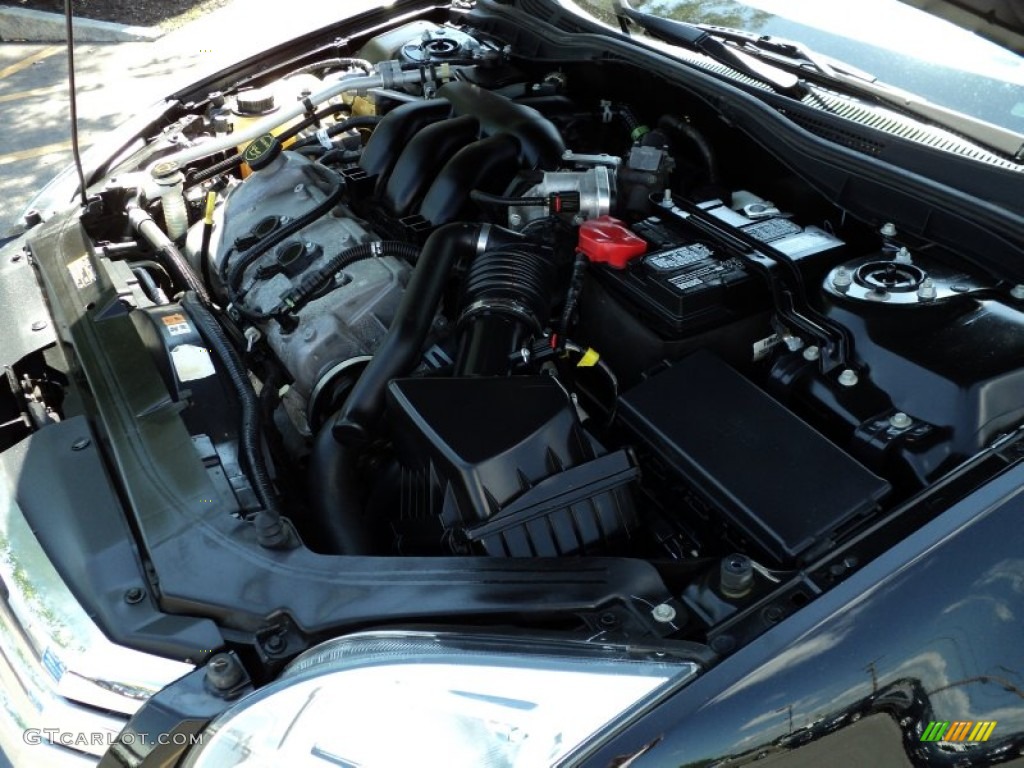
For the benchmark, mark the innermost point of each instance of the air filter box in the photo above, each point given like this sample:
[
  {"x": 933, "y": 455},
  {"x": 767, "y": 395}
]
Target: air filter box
[{"x": 502, "y": 466}]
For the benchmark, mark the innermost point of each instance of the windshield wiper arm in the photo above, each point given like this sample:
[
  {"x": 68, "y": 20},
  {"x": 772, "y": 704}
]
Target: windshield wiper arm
[
  {"x": 696, "y": 39},
  {"x": 787, "y": 49},
  {"x": 844, "y": 77}
]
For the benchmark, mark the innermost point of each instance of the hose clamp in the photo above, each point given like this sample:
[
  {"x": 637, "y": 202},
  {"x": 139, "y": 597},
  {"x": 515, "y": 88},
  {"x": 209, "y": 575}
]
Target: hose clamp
[
  {"x": 390, "y": 73},
  {"x": 500, "y": 306},
  {"x": 482, "y": 238}
]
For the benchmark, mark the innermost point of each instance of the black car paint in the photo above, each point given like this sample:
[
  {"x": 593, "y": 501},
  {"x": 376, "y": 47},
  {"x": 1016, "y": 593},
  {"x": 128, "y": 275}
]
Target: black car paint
[{"x": 929, "y": 630}]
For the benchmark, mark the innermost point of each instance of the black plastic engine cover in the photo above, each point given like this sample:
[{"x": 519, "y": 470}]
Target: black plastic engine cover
[{"x": 502, "y": 466}]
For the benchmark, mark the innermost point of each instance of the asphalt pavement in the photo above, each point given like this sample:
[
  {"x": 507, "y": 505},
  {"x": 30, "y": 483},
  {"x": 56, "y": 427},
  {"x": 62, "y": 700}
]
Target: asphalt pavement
[{"x": 115, "y": 80}]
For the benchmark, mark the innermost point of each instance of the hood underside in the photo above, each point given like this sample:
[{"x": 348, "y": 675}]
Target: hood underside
[{"x": 1001, "y": 21}]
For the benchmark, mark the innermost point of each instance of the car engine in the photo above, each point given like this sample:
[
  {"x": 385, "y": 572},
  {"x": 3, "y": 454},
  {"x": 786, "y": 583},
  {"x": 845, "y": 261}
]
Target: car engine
[{"x": 453, "y": 301}]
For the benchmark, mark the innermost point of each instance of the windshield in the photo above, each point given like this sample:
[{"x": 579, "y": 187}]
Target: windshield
[{"x": 897, "y": 44}]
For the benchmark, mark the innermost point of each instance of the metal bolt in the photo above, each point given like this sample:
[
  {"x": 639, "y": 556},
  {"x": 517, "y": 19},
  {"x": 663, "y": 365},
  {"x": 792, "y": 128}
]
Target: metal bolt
[
  {"x": 664, "y": 613},
  {"x": 736, "y": 576},
  {"x": 1017, "y": 291},
  {"x": 274, "y": 643},
  {"x": 134, "y": 596},
  {"x": 223, "y": 672},
  {"x": 812, "y": 353},
  {"x": 900, "y": 420},
  {"x": 514, "y": 220},
  {"x": 793, "y": 343},
  {"x": 888, "y": 229},
  {"x": 772, "y": 614},
  {"x": 926, "y": 291},
  {"x": 903, "y": 256},
  {"x": 723, "y": 643},
  {"x": 81, "y": 444},
  {"x": 848, "y": 378},
  {"x": 608, "y": 619},
  {"x": 252, "y": 336},
  {"x": 39, "y": 325},
  {"x": 842, "y": 279},
  {"x": 959, "y": 288}
]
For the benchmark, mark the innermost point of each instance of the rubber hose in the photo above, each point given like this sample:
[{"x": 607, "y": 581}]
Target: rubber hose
[
  {"x": 271, "y": 531},
  {"x": 294, "y": 130},
  {"x": 505, "y": 278},
  {"x": 363, "y": 64},
  {"x": 143, "y": 223},
  {"x": 334, "y": 503},
  {"x": 216, "y": 170},
  {"x": 400, "y": 351},
  {"x": 149, "y": 286},
  {"x": 359, "y": 121},
  {"x": 506, "y": 299},
  {"x": 480, "y": 197},
  {"x": 155, "y": 266},
  {"x": 697, "y": 139},
  {"x": 629, "y": 118},
  {"x": 572, "y": 298},
  {"x": 270, "y": 399}
]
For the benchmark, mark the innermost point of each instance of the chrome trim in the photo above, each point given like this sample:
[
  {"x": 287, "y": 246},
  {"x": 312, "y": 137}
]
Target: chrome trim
[{"x": 58, "y": 670}]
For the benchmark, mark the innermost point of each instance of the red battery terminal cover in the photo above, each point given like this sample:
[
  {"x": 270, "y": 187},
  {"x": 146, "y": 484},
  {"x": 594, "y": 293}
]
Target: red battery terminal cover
[{"x": 608, "y": 241}]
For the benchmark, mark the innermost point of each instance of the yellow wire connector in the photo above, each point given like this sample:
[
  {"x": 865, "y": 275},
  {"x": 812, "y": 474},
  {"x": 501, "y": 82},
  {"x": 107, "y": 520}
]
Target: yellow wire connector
[{"x": 589, "y": 359}]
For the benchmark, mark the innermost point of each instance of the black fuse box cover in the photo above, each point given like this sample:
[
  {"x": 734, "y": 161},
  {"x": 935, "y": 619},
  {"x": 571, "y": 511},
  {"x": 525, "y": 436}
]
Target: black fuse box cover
[{"x": 781, "y": 483}]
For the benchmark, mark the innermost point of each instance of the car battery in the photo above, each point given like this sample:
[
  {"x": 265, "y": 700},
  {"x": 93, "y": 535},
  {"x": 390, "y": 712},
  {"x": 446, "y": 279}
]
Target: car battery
[{"x": 682, "y": 285}]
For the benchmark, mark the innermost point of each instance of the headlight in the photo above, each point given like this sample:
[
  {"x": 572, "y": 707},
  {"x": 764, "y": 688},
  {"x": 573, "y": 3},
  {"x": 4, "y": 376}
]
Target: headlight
[{"x": 401, "y": 698}]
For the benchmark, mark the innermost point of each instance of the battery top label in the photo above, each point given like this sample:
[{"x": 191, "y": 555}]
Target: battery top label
[
  {"x": 773, "y": 229},
  {"x": 678, "y": 258}
]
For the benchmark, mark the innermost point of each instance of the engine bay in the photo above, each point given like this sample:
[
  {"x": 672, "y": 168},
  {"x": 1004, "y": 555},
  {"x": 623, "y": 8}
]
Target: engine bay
[{"x": 472, "y": 304}]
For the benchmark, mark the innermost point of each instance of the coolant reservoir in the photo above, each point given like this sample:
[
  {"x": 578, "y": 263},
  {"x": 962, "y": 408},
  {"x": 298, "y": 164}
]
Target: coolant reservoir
[{"x": 257, "y": 104}]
